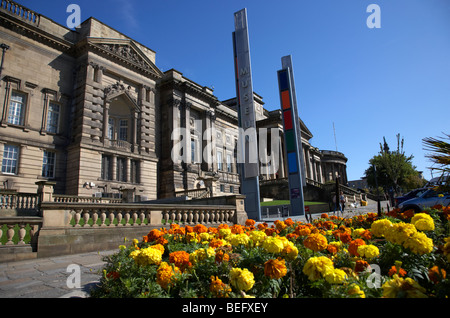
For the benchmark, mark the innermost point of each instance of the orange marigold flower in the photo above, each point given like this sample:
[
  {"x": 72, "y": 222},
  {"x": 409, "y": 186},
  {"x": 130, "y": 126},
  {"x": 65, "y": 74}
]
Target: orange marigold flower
[
  {"x": 223, "y": 226},
  {"x": 436, "y": 274},
  {"x": 280, "y": 225},
  {"x": 289, "y": 222},
  {"x": 221, "y": 256},
  {"x": 200, "y": 228},
  {"x": 270, "y": 231},
  {"x": 262, "y": 226},
  {"x": 399, "y": 271},
  {"x": 292, "y": 236},
  {"x": 361, "y": 266},
  {"x": 218, "y": 288},
  {"x": 302, "y": 230},
  {"x": 324, "y": 216},
  {"x": 353, "y": 247},
  {"x": 316, "y": 242},
  {"x": 275, "y": 268},
  {"x": 180, "y": 259},
  {"x": 154, "y": 235},
  {"x": 332, "y": 249},
  {"x": 250, "y": 222},
  {"x": 237, "y": 229},
  {"x": 366, "y": 235}
]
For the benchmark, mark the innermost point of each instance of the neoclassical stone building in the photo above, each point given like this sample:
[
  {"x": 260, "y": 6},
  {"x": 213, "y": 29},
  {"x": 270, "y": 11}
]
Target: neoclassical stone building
[{"x": 90, "y": 111}]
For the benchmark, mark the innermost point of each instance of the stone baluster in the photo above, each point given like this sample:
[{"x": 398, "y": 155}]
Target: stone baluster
[
  {"x": 142, "y": 217},
  {"x": 22, "y": 233},
  {"x": 134, "y": 218},
  {"x": 103, "y": 218},
  {"x": 173, "y": 215},
  {"x": 94, "y": 218},
  {"x": 179, "y": 215},
  {"x": 127, "y": 218},
  {"x": 191, "y": 217},
  {"x": 77, "y": 217},
  {"x": 166, "y": 216},
  {"x": 10, "y": 234},
  {"x": 196, "y": 217},
  {"x": 119, "y": 218},
  {"x": 86, "y": 218},
  {"x": 111, "y": 217}
]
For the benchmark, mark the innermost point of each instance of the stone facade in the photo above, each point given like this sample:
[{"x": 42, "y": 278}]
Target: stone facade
[{"x": 91, "y": 111}]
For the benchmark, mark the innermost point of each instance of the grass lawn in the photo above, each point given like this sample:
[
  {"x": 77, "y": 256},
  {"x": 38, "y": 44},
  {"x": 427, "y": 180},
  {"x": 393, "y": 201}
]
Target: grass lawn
[{"x": 287, "y": 202}]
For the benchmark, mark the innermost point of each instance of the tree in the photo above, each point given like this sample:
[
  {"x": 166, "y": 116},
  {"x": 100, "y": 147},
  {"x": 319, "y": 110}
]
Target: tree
[
  {"x": 440, "y": 155},
  {"x": 394, "y": 169}
]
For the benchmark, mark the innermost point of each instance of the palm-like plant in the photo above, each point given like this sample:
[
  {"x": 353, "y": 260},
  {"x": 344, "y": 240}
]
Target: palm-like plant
[{"x": 440, "y": 154}]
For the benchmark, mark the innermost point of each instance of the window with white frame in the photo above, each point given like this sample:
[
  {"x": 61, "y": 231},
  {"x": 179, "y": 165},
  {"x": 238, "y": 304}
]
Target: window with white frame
[
  {"x": 111, "y": 129},
  {"x": 229, "y": 163},
  {"x": 123, "y": 129},
  {"x": 16, "y": 111},
  {"x": 48, "y": 164},
  {"x": 53, "y": 118},
  {"x": 10, "y": 159},
  {"x": 219, "y": 160}
]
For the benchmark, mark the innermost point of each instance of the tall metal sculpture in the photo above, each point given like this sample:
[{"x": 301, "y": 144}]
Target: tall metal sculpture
[
  {"x": 292, "y": 136},
  {"x": 248, "y": 161}
]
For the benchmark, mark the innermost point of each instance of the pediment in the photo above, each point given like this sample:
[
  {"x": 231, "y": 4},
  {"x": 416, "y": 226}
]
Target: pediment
[
  {"x": 119, "y": 89},
  {"x": 127, "y": 52}
]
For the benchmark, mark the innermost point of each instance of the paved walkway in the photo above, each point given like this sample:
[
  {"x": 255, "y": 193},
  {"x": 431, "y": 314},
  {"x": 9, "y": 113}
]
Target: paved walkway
[{"x": 48, "y": 277}]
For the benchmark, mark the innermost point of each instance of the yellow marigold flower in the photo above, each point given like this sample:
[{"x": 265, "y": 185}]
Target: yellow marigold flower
[
  {"x": 201, "y": 254},
  {"x": 317, "y": 267},
  {"x": 423, "y": 222},
  {"x": 275, "y": 268},
  {"x": 242, "y": 279},
  {"x": 356, "y": 291},
  {"x": 238, "y": 239},
  {"x": 165, "y": 275},
  {"x": 218, "y": 288},
  {"x": 257, "y": 237},
  {"x": 379, "y": 227},
  {"x": 147, "y": 256},
  {"x": 447, "y": 248},
  {"x": 224, "y": 232},
  {"x": 419, "y": 243},
  {"x": 273, "y": 244},
  {"x": 290, "y": 251},
  {"x": 316, "y": 242},
  {"x": 368, "y": 251},
  {"x": 398, "y": 287},
  {"x": 400, "y": 232},
  {"x": 335, "y": 276}
]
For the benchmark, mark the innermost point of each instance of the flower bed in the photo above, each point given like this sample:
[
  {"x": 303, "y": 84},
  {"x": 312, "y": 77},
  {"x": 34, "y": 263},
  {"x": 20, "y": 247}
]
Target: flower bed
[{"x": 397, "y": 255}]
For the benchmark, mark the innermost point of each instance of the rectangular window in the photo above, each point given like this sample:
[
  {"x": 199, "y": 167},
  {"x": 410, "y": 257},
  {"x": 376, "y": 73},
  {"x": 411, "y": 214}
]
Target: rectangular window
[
  {"x": 17, "y": 106},
  {"x": 135, "y": 174},
  {"x": 231, "y": 189},
  {"x": 48, "y": 165},
  {"x": 106, "y": 167},
  {"x": 111, "y": 129},
  {"x": 121, "y": 169},
  {"x": 229, "y": 161},
  {"x": 123, "y": 129},
  {"x": 222, "y": 188},
  {"x": 10, "y": 159},
  {"x": 53, "y": 118},
  {"x": 219, "y": 160}
]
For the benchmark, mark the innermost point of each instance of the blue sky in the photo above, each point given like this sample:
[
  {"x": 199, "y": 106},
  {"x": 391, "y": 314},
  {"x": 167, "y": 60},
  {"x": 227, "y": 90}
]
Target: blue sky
[{"x": 369, "y": 82}]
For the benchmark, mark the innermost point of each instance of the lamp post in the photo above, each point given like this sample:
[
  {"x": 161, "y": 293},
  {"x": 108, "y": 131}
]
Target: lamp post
[
  {"x": 378, "y": 193},
  {"x": 4, "y": 48}
]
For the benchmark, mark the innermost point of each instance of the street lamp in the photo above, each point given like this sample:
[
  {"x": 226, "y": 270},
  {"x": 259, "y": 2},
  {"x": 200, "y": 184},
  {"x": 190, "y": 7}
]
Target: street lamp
[{"x": 4, "y": 48}]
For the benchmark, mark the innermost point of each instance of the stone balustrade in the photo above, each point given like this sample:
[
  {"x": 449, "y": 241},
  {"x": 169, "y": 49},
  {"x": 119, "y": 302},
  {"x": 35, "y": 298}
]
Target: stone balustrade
[
  {"x": 10, "y": 199},
  {"x": 60, "y": 198},
  {"x": 20, "y": 11},
  {"x": 16, "y": 227},
  {"x": 78, "y": 215}
]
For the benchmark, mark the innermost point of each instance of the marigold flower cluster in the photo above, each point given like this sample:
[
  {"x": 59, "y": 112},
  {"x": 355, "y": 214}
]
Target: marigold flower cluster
[{"x": 329, "y": 257}]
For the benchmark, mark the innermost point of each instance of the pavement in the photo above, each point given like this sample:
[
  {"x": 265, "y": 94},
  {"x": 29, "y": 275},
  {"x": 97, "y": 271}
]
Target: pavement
[{"x": 72, "y": 276}]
